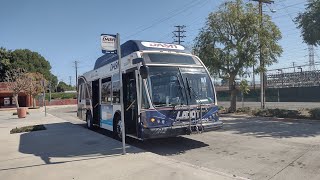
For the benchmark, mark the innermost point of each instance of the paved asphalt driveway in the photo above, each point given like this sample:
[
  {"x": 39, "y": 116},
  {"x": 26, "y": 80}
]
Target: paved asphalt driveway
[{"x": 255, "y": 148}]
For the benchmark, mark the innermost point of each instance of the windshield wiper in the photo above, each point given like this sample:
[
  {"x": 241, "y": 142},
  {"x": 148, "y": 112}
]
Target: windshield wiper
[
  {"x": 192, "y": 91},
  {"x": 188, "y": 87},
  {"x": 164, "y": 105}
]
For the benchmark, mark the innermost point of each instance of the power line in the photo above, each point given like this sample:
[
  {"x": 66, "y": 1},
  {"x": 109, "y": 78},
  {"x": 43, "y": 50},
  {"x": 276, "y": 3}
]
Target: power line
[
  {"x": 284, "y": 7},
  {"x": 175, "y": 13}
]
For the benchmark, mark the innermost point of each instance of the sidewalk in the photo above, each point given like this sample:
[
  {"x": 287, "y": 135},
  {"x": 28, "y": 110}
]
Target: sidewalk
[{"x": 68, "y": 151}]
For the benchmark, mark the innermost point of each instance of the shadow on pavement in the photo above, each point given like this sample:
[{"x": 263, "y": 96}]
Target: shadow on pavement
[
  {"x": 270, "y": 127},
  {"x": 65, "y": 140},
  {"x": 169, "y": 146},
  {"x": 165, "y": 146}
]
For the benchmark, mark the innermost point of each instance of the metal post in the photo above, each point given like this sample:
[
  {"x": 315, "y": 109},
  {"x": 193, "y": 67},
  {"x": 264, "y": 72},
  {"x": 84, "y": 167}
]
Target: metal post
[
  {"x": 121, "y": 97},
  {"x": 49, "y": 93},
  {"x": 44, "y": 96}
]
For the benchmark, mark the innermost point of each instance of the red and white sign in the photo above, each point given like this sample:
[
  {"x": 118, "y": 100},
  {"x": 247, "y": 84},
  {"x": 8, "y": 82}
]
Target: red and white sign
[
  {"x": 108, "y": 42},
  {"x": 162, "y": 45}
]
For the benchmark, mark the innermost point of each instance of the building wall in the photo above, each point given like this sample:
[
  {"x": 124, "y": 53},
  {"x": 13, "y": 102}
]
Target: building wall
[{"x": 7, "y": 100}]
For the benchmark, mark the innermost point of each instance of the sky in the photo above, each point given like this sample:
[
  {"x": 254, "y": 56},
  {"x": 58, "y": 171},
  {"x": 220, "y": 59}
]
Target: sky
[{"x": 66, "y": 31}]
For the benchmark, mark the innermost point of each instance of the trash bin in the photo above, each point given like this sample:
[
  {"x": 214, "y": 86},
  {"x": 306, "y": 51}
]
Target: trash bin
[{"x": 22, "y": 112}]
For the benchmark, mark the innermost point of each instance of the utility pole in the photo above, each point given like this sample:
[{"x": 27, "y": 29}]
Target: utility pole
[
  {"x": 70, "y": 80},
  {"x": 262, "y": 73},
  {"x": 178, "y": 34},
  {"x": 76, "y": 68}
]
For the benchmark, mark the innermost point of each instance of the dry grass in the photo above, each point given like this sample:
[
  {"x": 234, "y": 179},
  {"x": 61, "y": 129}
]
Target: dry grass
[{"x": 28, "y": 129}]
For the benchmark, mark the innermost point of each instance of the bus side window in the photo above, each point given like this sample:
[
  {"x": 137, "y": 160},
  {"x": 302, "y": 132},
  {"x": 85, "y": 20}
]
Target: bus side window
[
  {"x": 106, "y": 91},
  {"x": 87, "y": 91},
  {"x": 116, "y": 92}
]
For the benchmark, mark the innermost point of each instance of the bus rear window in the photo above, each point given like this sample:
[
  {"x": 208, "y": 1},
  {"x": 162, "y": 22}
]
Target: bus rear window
[{"x": 163, "y": 58}]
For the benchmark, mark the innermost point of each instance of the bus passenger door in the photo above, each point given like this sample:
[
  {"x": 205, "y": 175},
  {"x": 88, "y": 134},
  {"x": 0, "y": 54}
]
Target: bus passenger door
[
  {"x": 81, "y": 113},
  {"x": 96, "y": 101},
  {"x": 130, "y": 102}
]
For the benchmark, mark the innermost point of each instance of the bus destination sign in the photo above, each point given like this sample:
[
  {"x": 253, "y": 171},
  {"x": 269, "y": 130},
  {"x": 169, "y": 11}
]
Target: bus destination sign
[{"x": 162, "y": 45}]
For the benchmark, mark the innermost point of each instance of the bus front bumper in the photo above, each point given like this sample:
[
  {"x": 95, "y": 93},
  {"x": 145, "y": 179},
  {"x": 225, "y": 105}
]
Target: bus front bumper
[{"x": 176, "y": 130}]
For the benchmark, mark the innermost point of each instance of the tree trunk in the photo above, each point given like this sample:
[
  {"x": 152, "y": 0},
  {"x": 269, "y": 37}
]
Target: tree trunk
[
  {"x": 16, "y": 98},
  {"x": 34, "y": 102},
  {"x": 242, "y": 99},
  {"x": 233, "y": 94}
]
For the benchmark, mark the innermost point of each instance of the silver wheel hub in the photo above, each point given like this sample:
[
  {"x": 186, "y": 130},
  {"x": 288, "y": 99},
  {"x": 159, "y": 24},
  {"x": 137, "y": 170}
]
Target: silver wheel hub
[
  {"x": 119, "y": 129},
  {"x": 88, "y": 122}
]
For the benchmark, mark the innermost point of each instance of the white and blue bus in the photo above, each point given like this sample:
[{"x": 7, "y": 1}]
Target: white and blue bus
[{"x": 167, "y": 92}]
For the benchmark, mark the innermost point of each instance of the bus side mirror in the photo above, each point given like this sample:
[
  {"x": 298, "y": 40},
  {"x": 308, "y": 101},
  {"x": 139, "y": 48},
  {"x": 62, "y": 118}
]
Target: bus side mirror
[
  {"x": 144, "y": 71},
  {"x": 137, "y": 60}
]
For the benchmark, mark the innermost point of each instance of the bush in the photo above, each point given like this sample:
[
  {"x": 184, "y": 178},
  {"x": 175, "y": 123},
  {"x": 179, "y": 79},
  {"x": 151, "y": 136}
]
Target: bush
[
  {"x": 244, "y": 110},
  {"x": 61, "y": 95},
  {"x": 28, "y": 129},
  {"x": 315, "y": 113},
  {"x": 281, "y": 113},
  {"x": 221, "y": 108}
]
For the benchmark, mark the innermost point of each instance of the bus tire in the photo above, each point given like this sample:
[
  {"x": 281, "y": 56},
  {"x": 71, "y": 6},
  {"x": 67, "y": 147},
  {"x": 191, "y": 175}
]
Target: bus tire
[
  {"x": 117, "y": 127},
  {"x": 89, "y": 121}
]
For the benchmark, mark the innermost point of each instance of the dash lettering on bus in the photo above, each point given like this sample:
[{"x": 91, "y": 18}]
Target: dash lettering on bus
[{"x": 170, "y": 46}]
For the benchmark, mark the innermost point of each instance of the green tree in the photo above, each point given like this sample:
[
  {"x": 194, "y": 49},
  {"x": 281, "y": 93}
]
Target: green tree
[
  {"x": 62, "y": 86},
  {"x": 25, "y": 59},
  {"x": 17, "y": 82},
  {"x": 35, "y": 85},
  {"x": 229, "y": 42},
  {"x": 5, "y": 57},
  {"x": 309, "y": 23}
]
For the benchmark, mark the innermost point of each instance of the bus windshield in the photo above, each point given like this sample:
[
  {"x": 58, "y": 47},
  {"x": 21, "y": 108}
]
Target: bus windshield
[{"x": 171, "y": 86}]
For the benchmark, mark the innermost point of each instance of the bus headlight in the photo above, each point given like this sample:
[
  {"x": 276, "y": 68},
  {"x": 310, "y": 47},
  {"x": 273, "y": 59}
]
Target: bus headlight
[{"x": 157, "y": 120}]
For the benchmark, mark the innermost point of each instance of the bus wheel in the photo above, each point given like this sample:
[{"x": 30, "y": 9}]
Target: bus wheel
[
  {"x": 117, "y": 132},
  {"x": 89, "y": 121}
]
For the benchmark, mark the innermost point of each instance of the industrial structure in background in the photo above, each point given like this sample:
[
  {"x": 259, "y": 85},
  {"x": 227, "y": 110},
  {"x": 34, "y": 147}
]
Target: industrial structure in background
[
  {"x": 296, "y": 76},
  {"x": 297, "y": 83}
]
